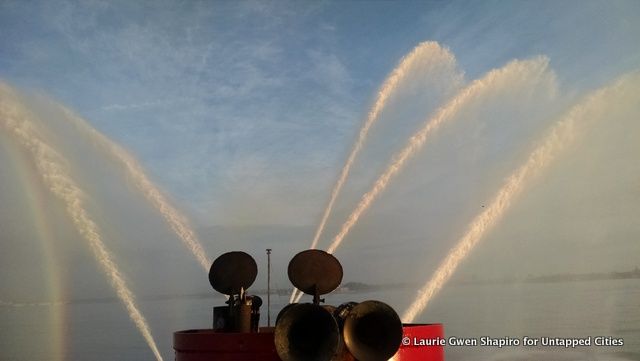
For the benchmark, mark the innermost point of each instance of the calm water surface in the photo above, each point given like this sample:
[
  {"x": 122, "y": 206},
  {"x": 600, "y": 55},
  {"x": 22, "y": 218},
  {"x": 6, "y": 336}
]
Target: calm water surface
[{"x": 102, "y": 330}]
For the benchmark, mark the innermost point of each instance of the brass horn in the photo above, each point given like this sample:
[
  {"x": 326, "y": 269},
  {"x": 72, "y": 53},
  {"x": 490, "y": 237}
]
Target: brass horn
[
  {"x": 284, "y": 310},
  {"x": 306, "y": 332},
  {"x": 372, "y": 331}
]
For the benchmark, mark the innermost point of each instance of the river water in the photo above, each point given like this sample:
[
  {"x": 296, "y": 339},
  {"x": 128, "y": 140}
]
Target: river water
[{"x": 101, "y": 330}]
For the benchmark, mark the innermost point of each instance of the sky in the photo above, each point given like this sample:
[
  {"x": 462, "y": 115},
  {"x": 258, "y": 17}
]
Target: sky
[{"x": 244, "y": 113}]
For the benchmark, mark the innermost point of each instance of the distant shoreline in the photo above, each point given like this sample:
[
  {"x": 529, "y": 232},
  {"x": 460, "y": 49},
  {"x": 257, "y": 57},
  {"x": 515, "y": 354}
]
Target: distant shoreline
[
  {"x": 557, "y": 278},
  {"x": 353, "y": 287}
]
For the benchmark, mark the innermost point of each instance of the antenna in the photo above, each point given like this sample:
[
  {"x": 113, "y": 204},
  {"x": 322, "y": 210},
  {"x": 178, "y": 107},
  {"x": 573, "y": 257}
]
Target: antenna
[{"x": 268, "y": 287}]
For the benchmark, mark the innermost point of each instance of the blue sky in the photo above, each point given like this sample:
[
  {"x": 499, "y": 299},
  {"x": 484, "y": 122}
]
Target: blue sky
[{"x": 245, "y": 111}]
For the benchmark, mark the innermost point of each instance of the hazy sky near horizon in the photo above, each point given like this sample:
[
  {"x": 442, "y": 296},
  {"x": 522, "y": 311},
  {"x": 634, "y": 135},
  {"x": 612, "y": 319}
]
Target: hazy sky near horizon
[{"x": 244, "y": 112}]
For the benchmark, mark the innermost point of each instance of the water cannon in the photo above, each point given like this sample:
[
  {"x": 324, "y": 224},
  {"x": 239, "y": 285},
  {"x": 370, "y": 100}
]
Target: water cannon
[
  {"x": 308, "y": 331},
  {"x": 232, "y": 274},
  {"x": 366, "y": 331},
  {"x": 353, "y": 331}
]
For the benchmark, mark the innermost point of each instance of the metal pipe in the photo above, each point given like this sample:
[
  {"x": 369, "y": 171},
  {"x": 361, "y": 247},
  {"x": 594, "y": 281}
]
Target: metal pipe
[{"x": 268, "y": 287}]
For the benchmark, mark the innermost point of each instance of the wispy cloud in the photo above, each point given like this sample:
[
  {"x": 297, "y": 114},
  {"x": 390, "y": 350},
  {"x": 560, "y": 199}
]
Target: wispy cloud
[
  {"x": 230, "y": 104},
  {"x": 220, "y": 85}
]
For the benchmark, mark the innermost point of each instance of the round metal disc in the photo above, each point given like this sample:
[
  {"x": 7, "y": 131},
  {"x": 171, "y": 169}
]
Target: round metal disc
[
  {"x": 232, "y": 271},
  {"x": 314, "y": 271}
]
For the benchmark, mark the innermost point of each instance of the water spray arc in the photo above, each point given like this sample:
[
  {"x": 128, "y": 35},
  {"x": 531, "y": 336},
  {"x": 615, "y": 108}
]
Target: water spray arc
[
  {"x": 437, "y": 57},
  {"x": 516, "y": 73},
  {"x": 173, "y": 217},
  {"x": 51, "y": 166},
  {"x": 559, "y": 137},
  {"x": 388, "y": 88},
  {"x": 513, "y": 74}
]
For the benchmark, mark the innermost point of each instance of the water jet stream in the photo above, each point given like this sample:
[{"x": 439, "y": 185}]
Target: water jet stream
[
  {"x": 15, "y": 119},
  {"x": 437, "y": 58},
  {"x": 515, "y": 74},
  {"x": 560, "y": 136},
  {"x": 174, "y": 218},
  {"x": 428, "y": 49}
]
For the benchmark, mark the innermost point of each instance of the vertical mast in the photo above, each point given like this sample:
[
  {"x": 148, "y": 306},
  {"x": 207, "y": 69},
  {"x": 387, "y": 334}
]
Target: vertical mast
[{"x": 268, "y": 287}]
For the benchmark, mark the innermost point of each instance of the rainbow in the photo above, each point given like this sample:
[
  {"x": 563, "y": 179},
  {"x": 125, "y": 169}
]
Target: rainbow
[{"x": 35, "y": 197}]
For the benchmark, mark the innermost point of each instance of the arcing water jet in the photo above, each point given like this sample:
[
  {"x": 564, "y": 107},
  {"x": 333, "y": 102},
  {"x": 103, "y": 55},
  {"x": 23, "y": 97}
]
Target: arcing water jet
[
  {"x": 426, "y": 50},
  {"x": 559, "y": 137},
  {"x": 516, "y": 74},
  {"x": 15, "y": 119},
  {"x": 437, "y": 58},
  {"x": 174, "y": 218}
]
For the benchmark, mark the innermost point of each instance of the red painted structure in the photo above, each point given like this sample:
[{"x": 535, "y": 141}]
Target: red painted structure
[
  {"x": 412, "y": 350},
  {"x": 209, "y": 345}
]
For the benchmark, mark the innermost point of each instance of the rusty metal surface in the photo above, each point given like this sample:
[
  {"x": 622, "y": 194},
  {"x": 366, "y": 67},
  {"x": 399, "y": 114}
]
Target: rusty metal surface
[
  {"x": 314, "y": 271},
  {"x": 232, "y": 271},
  {"x": 306, "y": 332},
  {"x": 372, "y": 331}
]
